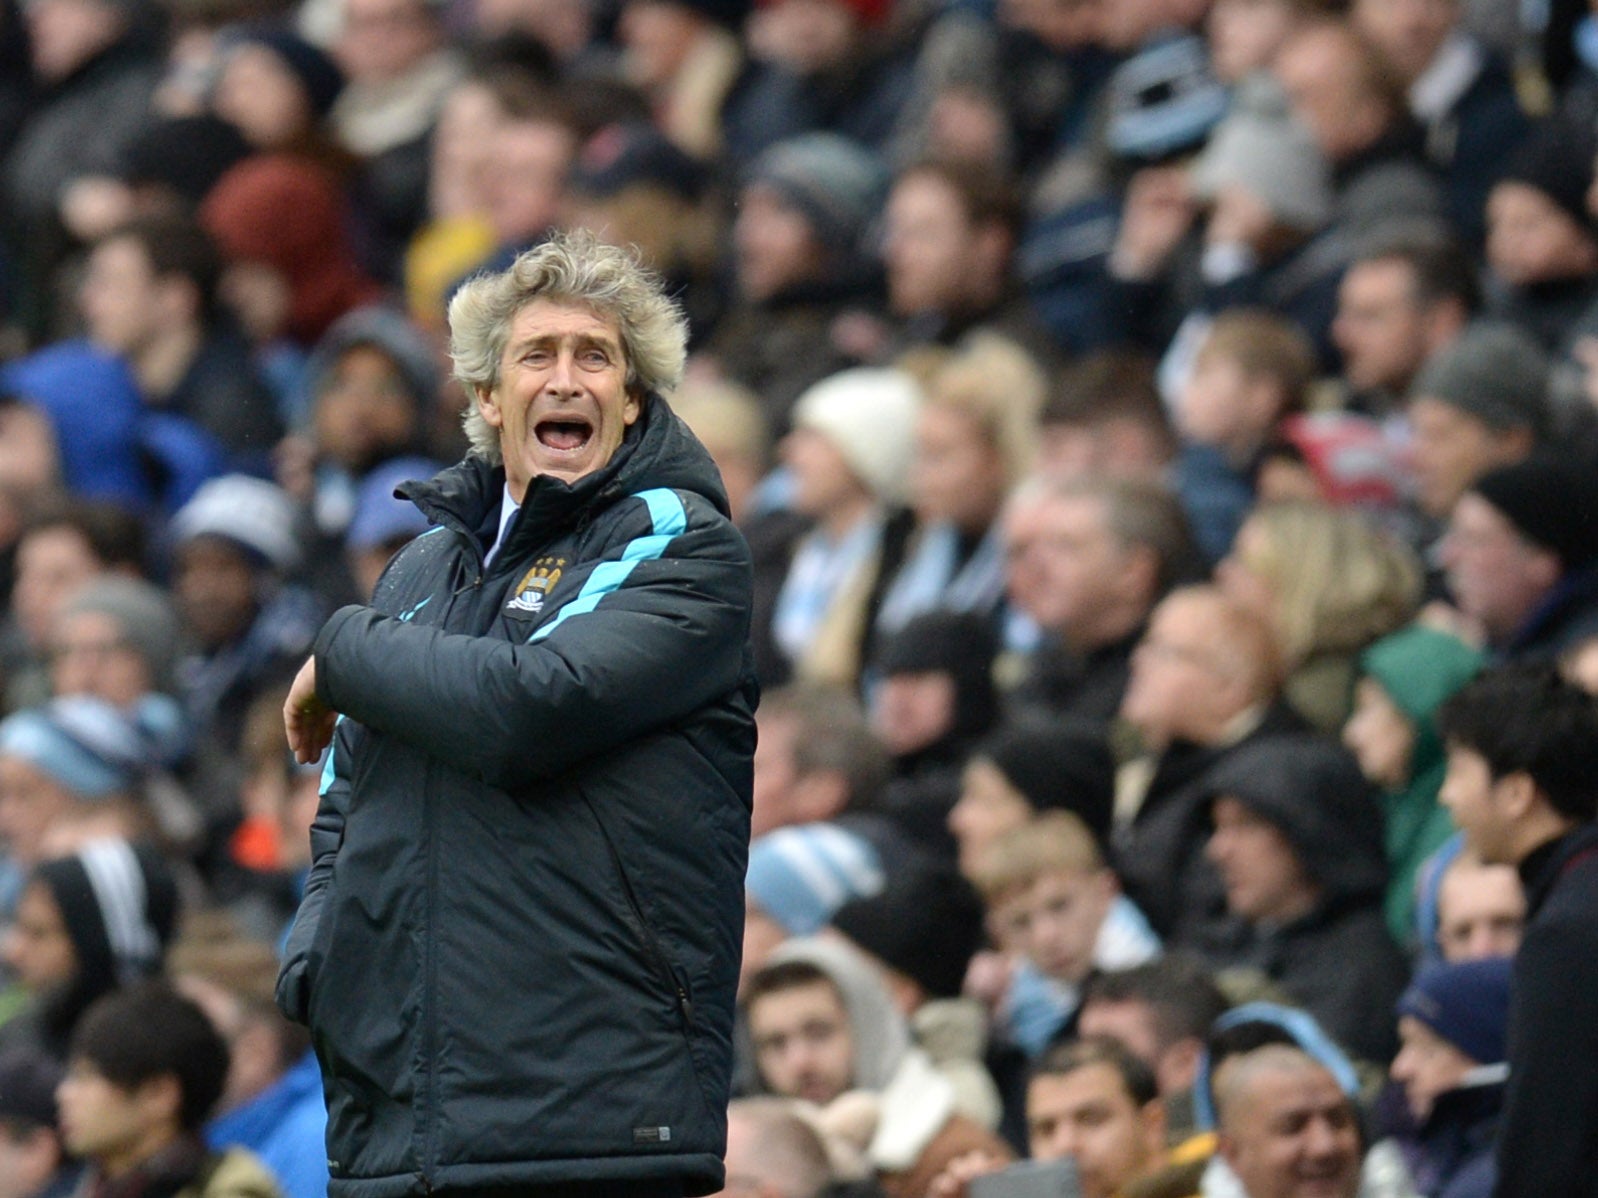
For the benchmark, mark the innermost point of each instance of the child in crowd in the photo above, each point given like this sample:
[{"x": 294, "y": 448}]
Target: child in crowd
[
  {"x": 1252, "y": 371},
  {"x": 1056, "y": 907}
]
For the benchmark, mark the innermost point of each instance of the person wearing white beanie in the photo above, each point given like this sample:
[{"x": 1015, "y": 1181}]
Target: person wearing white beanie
[{"x": 849, "y": 457}]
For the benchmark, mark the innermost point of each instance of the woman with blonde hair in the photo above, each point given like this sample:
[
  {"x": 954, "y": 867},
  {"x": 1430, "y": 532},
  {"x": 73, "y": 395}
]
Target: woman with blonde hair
[{"x": 1329, "y": 584}]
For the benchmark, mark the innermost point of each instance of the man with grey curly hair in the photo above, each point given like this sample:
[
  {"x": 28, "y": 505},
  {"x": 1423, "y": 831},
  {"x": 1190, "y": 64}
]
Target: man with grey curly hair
[{"x": 518, "y": 947}]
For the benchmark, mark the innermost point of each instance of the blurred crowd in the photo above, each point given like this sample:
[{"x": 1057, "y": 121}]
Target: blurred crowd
[{"x": 1162, "y": 428}]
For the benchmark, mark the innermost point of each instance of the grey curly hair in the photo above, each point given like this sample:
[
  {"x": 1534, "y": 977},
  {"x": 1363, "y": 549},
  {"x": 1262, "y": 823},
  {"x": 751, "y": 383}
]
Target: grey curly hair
[{"x": 570, "y": 268}]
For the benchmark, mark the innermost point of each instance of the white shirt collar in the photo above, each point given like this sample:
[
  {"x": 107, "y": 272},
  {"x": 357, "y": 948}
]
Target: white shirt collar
[{"x": 508, "y": 508}]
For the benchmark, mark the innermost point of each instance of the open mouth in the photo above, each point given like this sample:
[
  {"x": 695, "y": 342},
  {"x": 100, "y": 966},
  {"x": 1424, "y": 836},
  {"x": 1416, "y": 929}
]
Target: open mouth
[{"x": 566, "y": 435}]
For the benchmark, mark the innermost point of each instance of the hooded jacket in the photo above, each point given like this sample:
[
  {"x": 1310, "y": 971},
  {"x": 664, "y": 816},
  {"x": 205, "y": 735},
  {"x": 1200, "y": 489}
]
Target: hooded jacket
[
  {"x": 519, "y": 943},
  {"x": 1418, "y": 668},
  {"x": 1338, "y": 961}
]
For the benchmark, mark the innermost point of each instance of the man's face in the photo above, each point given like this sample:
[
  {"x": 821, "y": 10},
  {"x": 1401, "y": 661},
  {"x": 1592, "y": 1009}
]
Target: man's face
[
  {"x": 561, "y": 405},
  {"x": 1129, "y": 1022},
  {"x": 52, "y": 564},
  {"x": 1243, "y": 34},
  {"x": 987, "y": 808},
  {"x": 1380, "y": 736},
  {"x": 118, "y": 295},
  {"x": 365, "y": 409},
  {"x": 775, "y": 773},
  {"x": 1180, "y": 684},
  {"x": 1071, "y": 561},
  {"x": 911, "y": 711},
  {"x": 1531, "y": 239},
  {"x": 773, "y": 244},
  {"x": 37, "y": 947},
  {"x": 260, "y": 95},
  {"x": 383, "y": 39},
  {"x": 1087, "y": 1114},
  {"x": 1055, "y": 921},
  {"x": 1494, "y": 574},
  {"x": 804, "y": 1047},
  {"x": 657, "y": 37},
  {"x": 215, "y": 586},
  {"x": 1408, "y": 32},
  {"x": 1380, "y": 329},
  {"x": 1476, "y": 801},
  {"x": 1450, "y": 450},
  {"x": 1294, "y": 1137},
  {"x": 91, "y": 655},
  {"x": 1262, "y": 873},
  {"x": 1427, "y": 1066},
  {"x": 1481, "y": 911},
  {"x": 927, "y": 246},
  {"x": 1317, "y": 71},
  {"x": 101, "y": 1121},
  {"x": 525, "y": 179},
  {"x": 31, "y": 803},
  {"x": 30, "y": 1154}
]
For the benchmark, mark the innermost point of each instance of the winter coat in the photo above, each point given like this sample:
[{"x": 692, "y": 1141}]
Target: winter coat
[{"x": 519, "y": 943}]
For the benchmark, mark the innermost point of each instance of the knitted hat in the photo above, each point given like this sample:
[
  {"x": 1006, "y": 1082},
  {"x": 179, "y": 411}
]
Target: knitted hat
[
  {"x": 1552, "y": 501},
  {"x": 926, "y": 922},
  {"x": 632, "y": 153},
  {"x": 1164, "y": 100},
  {"x": 380, "y": 517},
  {"x": 800, "y": 875},
  {"x": 1058, "y": 763},
  {"x": 28, "y": 1078},
  {"x": 1557, "y": 160},
  {"x": 1466, "y": 1003},
  {"x": 959, "y": 644},
  {"x": 1494, "y": 372},
  {"x": 869, "y": 414},
  {"x": 250, "y": 512},
  {"x": 119, "y": 904},
  {"x": 145, "y": 615},
  {"x": 317, "y": 73},
  {"x": 1262, "y": 149},
  {"x": 836, "y": 184},
  {"x": 85, "y": 744},
  {"x": 186, "y": 153}
]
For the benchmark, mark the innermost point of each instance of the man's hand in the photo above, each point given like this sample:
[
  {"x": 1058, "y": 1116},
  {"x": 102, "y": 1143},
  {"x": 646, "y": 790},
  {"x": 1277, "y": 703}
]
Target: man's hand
[
  {"x": 952, "y": 1182},
  {"x": 307, "y": 720}
]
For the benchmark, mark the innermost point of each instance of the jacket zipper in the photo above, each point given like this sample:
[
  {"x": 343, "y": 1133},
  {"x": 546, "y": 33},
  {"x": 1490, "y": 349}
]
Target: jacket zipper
[{"x": 646, "y": 934}]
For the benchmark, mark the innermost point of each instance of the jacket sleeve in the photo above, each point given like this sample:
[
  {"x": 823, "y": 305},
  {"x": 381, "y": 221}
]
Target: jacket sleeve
[
  {"x": 327, "y": 834},
  {"x": 646, "y": 644}
]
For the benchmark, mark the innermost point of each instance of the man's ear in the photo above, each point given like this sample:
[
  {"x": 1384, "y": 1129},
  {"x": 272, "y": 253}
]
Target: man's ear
[
  {"x": 160, "y": 1099},
  {"x": 1517, "y": 794},
  {"x": 634, "y": 407},
  {"x": 488, "y": 405}
]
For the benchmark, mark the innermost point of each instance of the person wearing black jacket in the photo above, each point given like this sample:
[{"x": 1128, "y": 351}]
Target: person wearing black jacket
[
  {"x": 1522, "y": 783},
  {"x": 519, "y": 944}
]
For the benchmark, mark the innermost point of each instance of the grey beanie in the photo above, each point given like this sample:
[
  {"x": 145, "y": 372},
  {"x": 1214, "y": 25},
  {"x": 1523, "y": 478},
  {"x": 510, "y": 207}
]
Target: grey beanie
[
  {"x": 388, "y": 331},
  {"x": 835, "y": 183},
  {"x": 1261, "y": 148},
  {"x": 144, "y": 613},
  {"x": 1494, "y": 372}
]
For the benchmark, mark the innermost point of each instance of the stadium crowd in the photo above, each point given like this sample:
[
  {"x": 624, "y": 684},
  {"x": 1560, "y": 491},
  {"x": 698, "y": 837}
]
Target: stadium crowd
[{"x": 1166, "y": 433}]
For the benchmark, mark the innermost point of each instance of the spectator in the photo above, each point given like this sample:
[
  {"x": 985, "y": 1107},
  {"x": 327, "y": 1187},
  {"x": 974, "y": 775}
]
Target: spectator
[
  {"x": 1522, "y": 775},
  {"x": 1104, "y": 416},
  {"x": 146, "y": 1068},
  {"x": 381, "y": 524},
  {"x": 772, "y": 1151},
  {"x": 1480, "y": 910},
  {"x": 1328, "y": 584},
  {"x": 277, "y": 89},
  {"x": 33, "y": 1160},
  {"x": 816, "y": 758},
  {"x": 1282, "y": 1118},
  {"x": 1297, "y": 843}
]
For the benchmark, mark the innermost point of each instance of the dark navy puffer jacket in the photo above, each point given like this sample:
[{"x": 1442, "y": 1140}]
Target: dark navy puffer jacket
[{"x": 519, "y": 944}]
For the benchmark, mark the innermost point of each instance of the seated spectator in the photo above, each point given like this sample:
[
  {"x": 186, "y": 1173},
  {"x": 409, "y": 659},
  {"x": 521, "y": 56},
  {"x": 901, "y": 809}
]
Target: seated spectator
[
  {"x": 1297, "y": 843},
  {"x": 33, "y": 1161},
  {"x": 1251, "y": 372},
  {"x": 1056, "y": 909},
  {"x": 824, "y": 1029},
  {"x": 815, "y": 759},
  {"x": 1327, "y": 583},
  {"x": 233, "y": 546},
  {"x": 1093, "y": 1103},
  {"x": 1161, "y": 1012},
  {"x": 1542, "y": 249},
  {"x": 800, "y": 267},
  {"x": 1027, "y": 767},
  {"x": 1087, "y": 560},
  {"x": 1521, "y": 556},
  {"x": 975, "y": 438},
  {"x": 1451, "y": 1065},
  {"x": 86, "y": 924},
  {"x": 1480, "y": 402},
  {"x": 1283, "y": 1117},
  {"x": 1205, "y": 682},
  {"x": 849, "y": 454},
  {"x": 271, "y": 1102},
  {"x": 1404, "y": 678},
  {"x": 146, "y": 1068},
  {"x": 773, "y": 1152}
]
